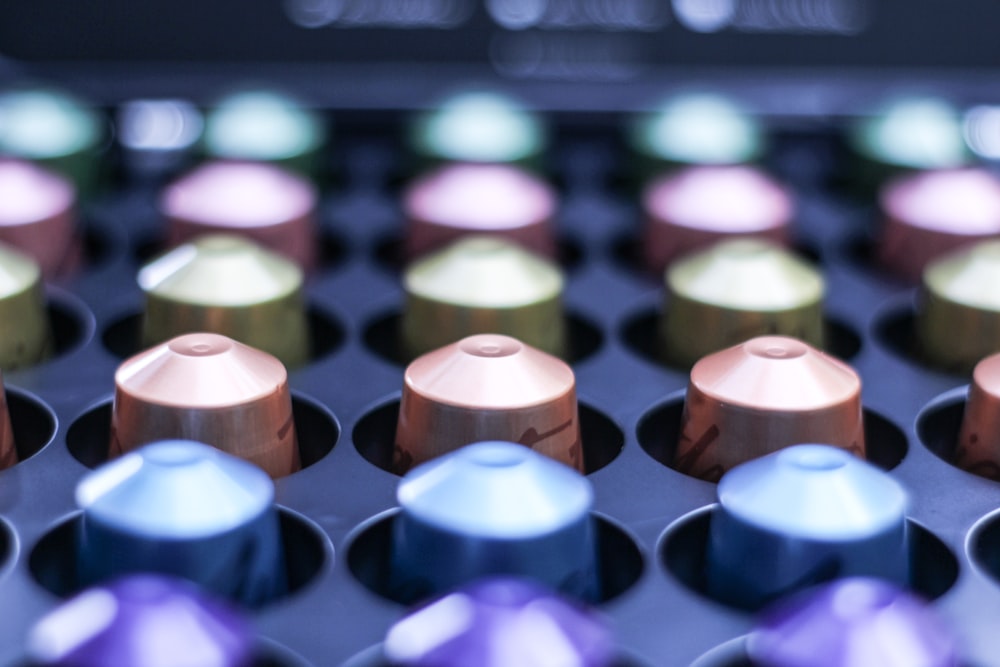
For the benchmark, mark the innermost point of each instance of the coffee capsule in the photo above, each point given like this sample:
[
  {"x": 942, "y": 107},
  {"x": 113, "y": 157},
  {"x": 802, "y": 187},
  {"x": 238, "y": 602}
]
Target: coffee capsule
[
  {"x": 695, "y": 207},
  {"x": 931, "y": 213},
  {"x": 493, "y": 508},
  {"x": 272, "y": 206},
  {"x": 857, "y": 622},
  {"x": 25, "y": 334},
  {"x": 143, "y": 620},
  {"x": 487, "y": 387},
  {"x": 500, "y": 622},
  {"x": 185, "y": 509},
  {"x": 231, "y": 286},
  {"x": 735, "y": 290},
  {"x": 763, "y": 395},
  {"x": 978, "y": 447},
  {"x": 483, "y": 285},
  {"x": 783, "y": 525},
  {"x": 209, "y": 388},
  {"x": 8, "y": 447},
  {"x": 958, "y": 312}
]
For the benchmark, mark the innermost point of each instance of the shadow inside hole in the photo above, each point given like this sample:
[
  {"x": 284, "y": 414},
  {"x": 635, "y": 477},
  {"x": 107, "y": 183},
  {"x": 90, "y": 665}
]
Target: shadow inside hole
[
  {"x": 390, "y": 253},
  {"x": 731, "y": 654},
  {"x": 53, "y": 561},
  {"x": 375, "y": 435},
  {"x": 896, "y": 329},
  {"x": 332, "y": 248},
  {"x": 861, "y": 250},
  {"x": 641, "y": 333},
  {"x": 938, "y": 425},
  {"x": 316, "y": 430},
  {"x": 72, "y": 325},
  {"x": 684, "y": 552},
  {"x": 96, "y": 246},
  {"x": 123, "y": 336},
  {"x": 369, "y": 559},
  {"x": 6, "y": 544},
  {"x": 383, "y": 333},
  {"x": 659, "y": 428},
  {"x": 32, "y": 422}
]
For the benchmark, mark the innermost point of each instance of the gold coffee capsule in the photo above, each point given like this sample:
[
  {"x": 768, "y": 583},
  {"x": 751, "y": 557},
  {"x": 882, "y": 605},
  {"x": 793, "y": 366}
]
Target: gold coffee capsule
[
  {"x": 735, "y": 290},
  {"x": 978, "y": 449},
  {"x": 25, "y": 337},
  {"x": 8, "y": 450},
  {"x": 958, "y": 315},
  {"x": 487, "y": 387},
  {"x": 483, "y": 285},
  {"x": 212, "y": 389},
  {"x": 231, "y": 286},
  {"x": 764, "y": 395}
]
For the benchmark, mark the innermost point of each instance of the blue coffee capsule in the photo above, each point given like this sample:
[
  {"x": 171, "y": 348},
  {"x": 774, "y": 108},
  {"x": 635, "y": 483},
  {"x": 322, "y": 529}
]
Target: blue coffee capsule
[
  {"x": 182, "y": 508},
  {"x": 800, "y": 516},
  {"x": 493, "y": 508}
]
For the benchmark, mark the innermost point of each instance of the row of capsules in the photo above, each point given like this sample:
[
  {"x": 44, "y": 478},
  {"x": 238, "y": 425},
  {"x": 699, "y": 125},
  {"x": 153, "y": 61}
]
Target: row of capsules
[{"x": 553, "y": 383}]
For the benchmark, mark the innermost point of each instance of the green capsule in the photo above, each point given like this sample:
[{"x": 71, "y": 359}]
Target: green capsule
[
  {"x": 231, "y": 286},
  {"x": 736, "y": 290},
  {"x": 25, "y": 336},
  {"x": 483, "y": 284},
  {"x": 958, "y": 317},
  {"x": 53, "y": 129},
  {"x": 263, "y": 126}
]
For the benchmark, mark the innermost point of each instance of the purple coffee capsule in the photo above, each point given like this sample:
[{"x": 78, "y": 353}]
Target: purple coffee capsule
[
  {"x": 142, "y": 621},
  {"x": 500, "y": 622},
  {"x": 855, "y": 622}
]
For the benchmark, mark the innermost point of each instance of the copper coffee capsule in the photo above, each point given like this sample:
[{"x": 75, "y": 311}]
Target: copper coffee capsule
[
  {"x": 8, "y": 449},
  {"x": 483, "y": 285},
  {"x": 487, "y": 387},
  {"x": 958, "y": 313},
  {"x": 228, "y": 285},
  {"x": 38, "y": 216},
  {"x": 271, "y": 205},
  {"x": 460, "y": 199},
  {"x": 25, "y": 335},
  {"x": 931, "y": 213},
  {"x": 209, "y": 388},
  {"x": 978, "y": 449},
  {"x": 692, "y": 208},
  {"x": 763, "y": 395},
  {"x": 734, "y": 290}
]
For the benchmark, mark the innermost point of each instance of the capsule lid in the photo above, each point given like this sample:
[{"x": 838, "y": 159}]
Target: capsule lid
[
  {"x": 699, "y": 128},
  {"x": 175, "y": 489},
  {"x": 41, "y": 124},
  {"x": 18, "y": 272},
  {"x": 913, "y": 132},
  {"x": 479, "y": 127},
  {"x": 261, "y": 125},
  {"x": 813, "y": 491},
  {"x": 490, "y": 371},
  {"x": 484, "y": 272},
  {"x": 746, "y": 274},
  {"x": 220, "y": 270},
  {"x": 495, "y": 489},
  {"x": 969, "y": 276}
]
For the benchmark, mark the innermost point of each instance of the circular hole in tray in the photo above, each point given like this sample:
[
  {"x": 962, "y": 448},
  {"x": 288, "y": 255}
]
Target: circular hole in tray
[
  {"x": 861, "y": 250},
  {"x": 938, "y": 426},
  {"x": 7, "y": 542},
  {"x": 388, "y": 253},
  {"x": 640, "y": 332},
  {"x": 369, "y": 558},
  {"x": 122, "y": 337},
  {"x": 660, "y": 426},
  {"x": 382, "y": 337},
  {"x": 53, "y": 560},
  {"x": 731, "y": 654},
  {"x": 32, "y": 422},
  {"x": 332, "y": 249},
  {"x": 375, "y": 433},
  {"x": 683, "y": 551},
  {"x": 71, "y": 321},
  {"x": 316, "y": 430}
]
